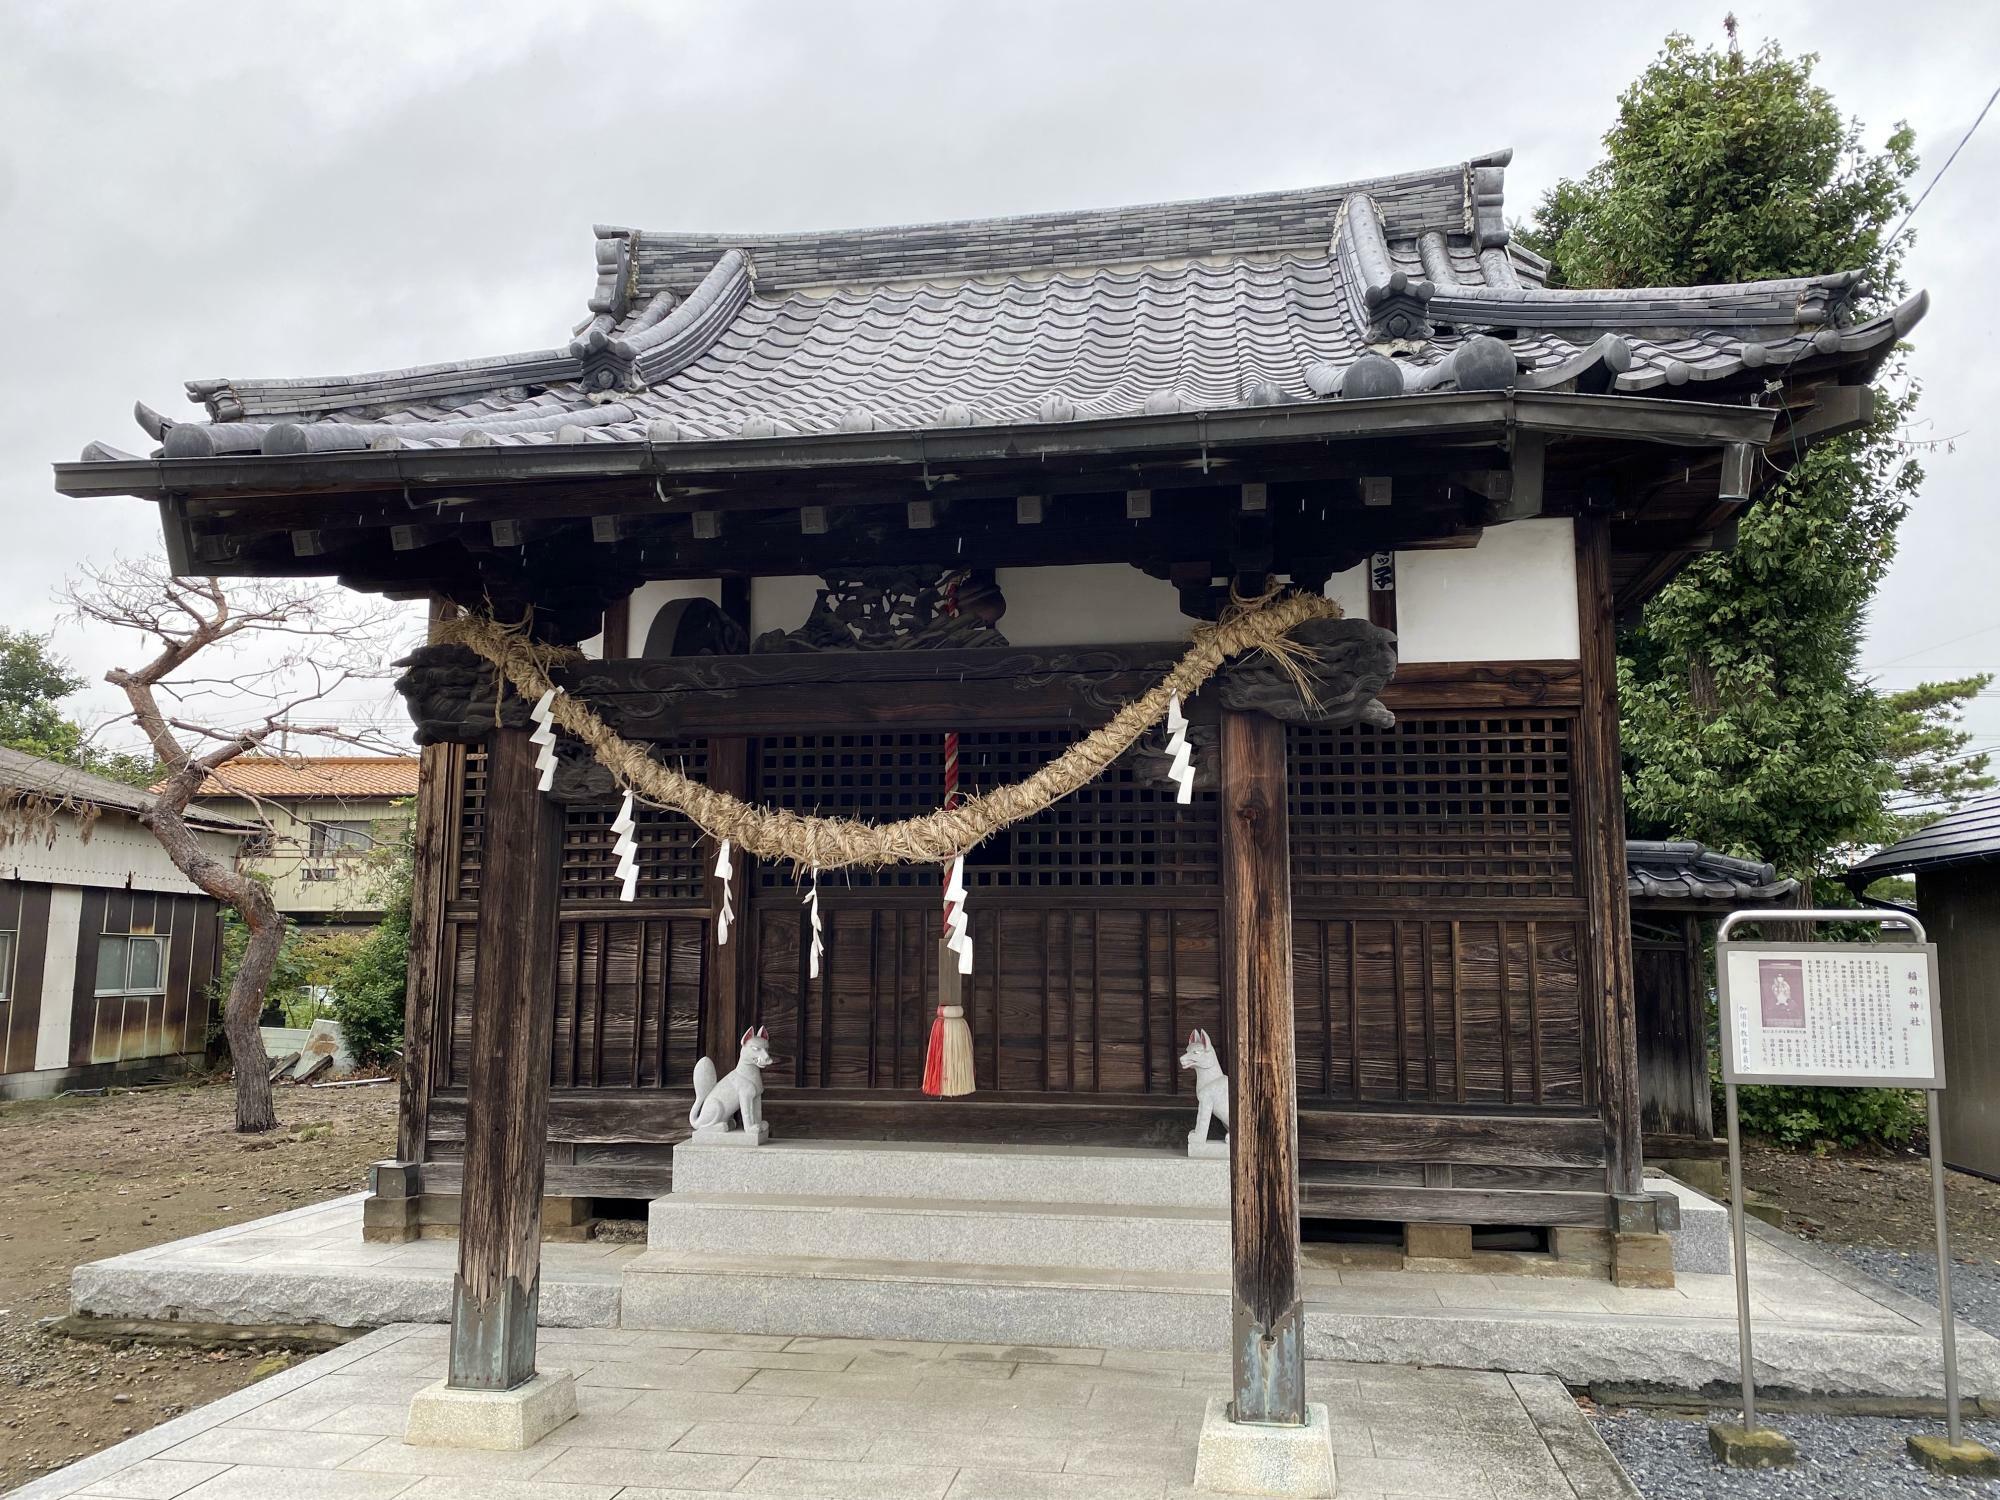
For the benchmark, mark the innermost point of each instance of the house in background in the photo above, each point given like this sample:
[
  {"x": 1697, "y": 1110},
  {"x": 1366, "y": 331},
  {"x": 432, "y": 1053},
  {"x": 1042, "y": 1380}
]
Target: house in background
[
  {"x": 1956, "y": 861},
  {"x": 107, "y": 952},
  {"x": 326, "y": 815}
]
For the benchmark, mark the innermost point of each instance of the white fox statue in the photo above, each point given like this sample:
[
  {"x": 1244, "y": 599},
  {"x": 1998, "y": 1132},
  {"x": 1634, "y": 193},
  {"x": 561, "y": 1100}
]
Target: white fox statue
[
  {"x": 1211, "y": 1096},
  {"x": 741, "y": 1093}
]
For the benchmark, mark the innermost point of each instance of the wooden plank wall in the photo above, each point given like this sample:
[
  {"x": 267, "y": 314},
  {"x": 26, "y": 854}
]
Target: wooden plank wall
[{"x": 1443, "y": 1053}]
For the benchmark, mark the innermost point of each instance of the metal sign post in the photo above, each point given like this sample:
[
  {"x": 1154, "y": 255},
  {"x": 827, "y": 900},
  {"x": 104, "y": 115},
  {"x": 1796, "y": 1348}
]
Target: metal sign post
[{"x": 1845, "y": 1015}]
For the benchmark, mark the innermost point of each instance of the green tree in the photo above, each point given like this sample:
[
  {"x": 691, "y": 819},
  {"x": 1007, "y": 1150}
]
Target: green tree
[
  {"x": 33, "y": 683},
  {"x": 1747, "y": 723},
  {"x": 369, "y": 989}
]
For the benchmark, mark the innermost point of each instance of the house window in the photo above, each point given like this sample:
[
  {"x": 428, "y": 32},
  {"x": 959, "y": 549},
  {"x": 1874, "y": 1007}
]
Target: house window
[
  {"x": 131, "y": 965},
  {"x": 6, "y": 965},
  {"x": 338, "y": 839}
]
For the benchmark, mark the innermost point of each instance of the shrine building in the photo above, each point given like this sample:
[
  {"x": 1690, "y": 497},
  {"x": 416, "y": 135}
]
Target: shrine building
[{"x": 811, "y": 503}]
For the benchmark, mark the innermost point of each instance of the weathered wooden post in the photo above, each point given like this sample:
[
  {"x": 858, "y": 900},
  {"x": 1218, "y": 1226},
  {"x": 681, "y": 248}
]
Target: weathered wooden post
[
  {"x": 497, "y": 1290},
  {"x": 1268, "y": 1339}
]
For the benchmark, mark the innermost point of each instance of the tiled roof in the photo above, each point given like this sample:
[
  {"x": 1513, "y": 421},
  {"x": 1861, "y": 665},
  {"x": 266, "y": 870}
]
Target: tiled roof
[
  {"x": 20, "y": 772},
  {"x": 1682, "y": 873},
  {"x": 1395, "y": 285},
  {"x": 1963, "y": 837},
  {"x": 307, "y": 777}
]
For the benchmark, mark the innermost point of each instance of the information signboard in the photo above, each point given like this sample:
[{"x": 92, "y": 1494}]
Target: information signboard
[{"x": 1851, "y": 1014}]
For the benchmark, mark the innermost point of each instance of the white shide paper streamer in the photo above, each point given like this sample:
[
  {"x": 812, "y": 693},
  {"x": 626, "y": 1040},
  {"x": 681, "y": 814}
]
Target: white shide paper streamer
[
  {"x": 626, "y": 846},
  {"x": 958, "y": 926},
  {"x": 544, "y": 737},
  {"x": 725, "y": 871},
  {"x": 811, "y": 904},
  {"x": 1182, "y": 769}
]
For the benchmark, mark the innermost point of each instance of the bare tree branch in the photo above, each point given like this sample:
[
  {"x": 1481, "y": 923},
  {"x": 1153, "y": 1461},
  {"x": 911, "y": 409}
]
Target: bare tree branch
[{"x": 299, "y": 641}]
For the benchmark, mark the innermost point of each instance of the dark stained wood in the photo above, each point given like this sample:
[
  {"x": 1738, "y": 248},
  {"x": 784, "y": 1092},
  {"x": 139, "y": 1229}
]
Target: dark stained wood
[
  {"x": 498, "y": 1287},
  {"x": 432, "y": 876},
  {"x": 102, "y": 911},
  {"x": 1600, "y": 847},
  {"x": 30, "y": 914},
  {"x": 1472, "y": 685},
  {"x": 618, "y": 629},
  {"x": 1268, "y": 1343},
  {"x": 1453, "y": 1205},
  {"x": 1675, "y": 1099}
]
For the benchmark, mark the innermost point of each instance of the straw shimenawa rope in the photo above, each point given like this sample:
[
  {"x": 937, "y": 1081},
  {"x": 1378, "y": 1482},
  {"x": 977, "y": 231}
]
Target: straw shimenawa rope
[{"x": 816, "y": 843}]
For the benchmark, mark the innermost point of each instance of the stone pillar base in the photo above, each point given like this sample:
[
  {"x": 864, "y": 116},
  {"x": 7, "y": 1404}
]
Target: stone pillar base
[
  {"x": 1642, "y": 1260},
  {"x": 442, "y": 1417},
  {"x": 1245, "y": 1458}
]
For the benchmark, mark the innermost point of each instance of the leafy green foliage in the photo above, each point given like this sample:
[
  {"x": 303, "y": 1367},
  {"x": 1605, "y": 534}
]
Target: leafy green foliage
[
  {"x": 309, "y": 964},
  {"x": 1747, "y": 724},
  {"x": 33, "y": 683},
  {"x": 369, "y": 990},
  {"x": 1808, "y": 1117}
]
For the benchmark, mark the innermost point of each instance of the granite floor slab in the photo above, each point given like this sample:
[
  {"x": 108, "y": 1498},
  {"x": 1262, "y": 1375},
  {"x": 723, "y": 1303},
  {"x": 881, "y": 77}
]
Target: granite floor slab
[
  {"x": 1025, "y": 1428},
  {"x": 1822, "y": 1325}
]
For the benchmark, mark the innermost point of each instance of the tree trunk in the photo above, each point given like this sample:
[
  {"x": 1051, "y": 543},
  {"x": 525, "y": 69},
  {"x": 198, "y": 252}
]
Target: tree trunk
[{"x": 247, "y": 1058}]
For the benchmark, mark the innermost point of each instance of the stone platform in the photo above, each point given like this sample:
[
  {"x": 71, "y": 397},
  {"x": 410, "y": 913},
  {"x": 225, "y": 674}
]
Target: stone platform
[
  {"x": 1081, "y": 1248},
  {"x": 679, "y": 1414}
]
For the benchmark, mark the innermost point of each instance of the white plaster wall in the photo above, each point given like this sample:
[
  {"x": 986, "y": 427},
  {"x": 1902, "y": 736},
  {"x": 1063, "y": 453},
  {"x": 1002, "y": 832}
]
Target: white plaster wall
[
  {"x": 781, "y": 603},
  {"x": 59, "y": 977},
  {"x": 120, "y": 854},
  {"x": 645, "y": 602},
  {"x": 1350, "y": 591},
  {"x": 1511, "y": 598},
  {"x": 1091, "y": 604}
]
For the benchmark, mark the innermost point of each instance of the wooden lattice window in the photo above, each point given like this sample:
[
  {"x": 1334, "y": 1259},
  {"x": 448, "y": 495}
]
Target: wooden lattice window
[
  {"x": 1117, "y": 831},
  {"x": 670, "y": 851},
  {"x": 1475, "y": 806}
]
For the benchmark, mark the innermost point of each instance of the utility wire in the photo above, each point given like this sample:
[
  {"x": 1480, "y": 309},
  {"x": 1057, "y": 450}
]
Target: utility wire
[{"x": 1943, "y": 169}]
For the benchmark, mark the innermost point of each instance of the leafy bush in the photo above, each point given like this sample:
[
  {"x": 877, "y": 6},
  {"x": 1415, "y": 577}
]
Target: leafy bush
[
  {"x": 1808, "y": 1117},
  {"x": 368, "y": 990}
]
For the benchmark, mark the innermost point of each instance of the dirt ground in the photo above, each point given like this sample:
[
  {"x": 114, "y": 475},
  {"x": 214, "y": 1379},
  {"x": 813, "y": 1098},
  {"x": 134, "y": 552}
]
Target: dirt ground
[
  {"x": 1876, "y": 1198},
  {"x": 81, "y": 1179}
]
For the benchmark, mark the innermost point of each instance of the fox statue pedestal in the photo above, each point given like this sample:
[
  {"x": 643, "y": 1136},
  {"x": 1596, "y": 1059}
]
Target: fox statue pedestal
[{"x": 741, "y": 1094}]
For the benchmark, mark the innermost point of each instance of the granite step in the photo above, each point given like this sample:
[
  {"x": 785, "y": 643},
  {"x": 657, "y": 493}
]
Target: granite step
[
  {"x": 905, "y": 1170},
  {"x": 896, "y": 1300},
  {"x": 1085, "y": 1236}
]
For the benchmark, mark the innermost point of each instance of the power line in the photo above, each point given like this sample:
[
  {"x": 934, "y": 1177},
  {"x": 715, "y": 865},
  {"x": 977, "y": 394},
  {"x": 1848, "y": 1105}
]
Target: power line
[{"x": 1942, "y": 170}]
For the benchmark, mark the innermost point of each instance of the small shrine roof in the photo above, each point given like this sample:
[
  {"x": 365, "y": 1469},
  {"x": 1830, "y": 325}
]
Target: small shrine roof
[
  {"x": 1680, "y": 873},
  {"x": 1396, "y": 285}
]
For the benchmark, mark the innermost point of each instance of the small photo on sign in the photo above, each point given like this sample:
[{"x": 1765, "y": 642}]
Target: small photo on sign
[{"x": 1781, "y": 986}]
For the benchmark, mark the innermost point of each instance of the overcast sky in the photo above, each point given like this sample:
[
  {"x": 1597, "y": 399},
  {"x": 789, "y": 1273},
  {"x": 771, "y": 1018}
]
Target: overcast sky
[{"x": 302, "y": 189}]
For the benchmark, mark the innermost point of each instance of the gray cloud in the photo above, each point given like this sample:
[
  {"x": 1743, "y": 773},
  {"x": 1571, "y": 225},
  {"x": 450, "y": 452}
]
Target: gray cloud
[{"x": 196, "y": 190}]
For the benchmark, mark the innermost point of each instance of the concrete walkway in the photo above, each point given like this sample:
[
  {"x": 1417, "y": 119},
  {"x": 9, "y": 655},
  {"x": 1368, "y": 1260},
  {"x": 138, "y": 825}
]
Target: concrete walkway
[
  {"x": 1821, "y": 1327},
  {"x": 666, "y": 1414}
]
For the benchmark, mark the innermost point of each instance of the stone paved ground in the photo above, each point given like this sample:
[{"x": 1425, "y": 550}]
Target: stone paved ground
[
  {"x": 670, "y": 1414},
  {"x": 1975, "y": 1285}
]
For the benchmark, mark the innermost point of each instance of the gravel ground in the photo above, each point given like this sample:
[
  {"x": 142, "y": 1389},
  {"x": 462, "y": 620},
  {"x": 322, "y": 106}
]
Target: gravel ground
[
  {"x": 1840, "y": 1458},
  {"x": 1975, "y": 1287}
]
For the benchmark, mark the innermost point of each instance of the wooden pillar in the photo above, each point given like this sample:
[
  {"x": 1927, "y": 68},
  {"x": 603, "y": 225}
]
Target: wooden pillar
[
  {"x": 1268, "y": 1343},
  {"x": 495, "y": 1296},
  {"x": 432, "y": 867},
  {"x": 1600, "y": 847},
  {"x": 433, "y": 863}
]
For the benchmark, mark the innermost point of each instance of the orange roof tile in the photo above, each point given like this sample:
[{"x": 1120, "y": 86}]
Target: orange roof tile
[{"x": 330, "y": 776}]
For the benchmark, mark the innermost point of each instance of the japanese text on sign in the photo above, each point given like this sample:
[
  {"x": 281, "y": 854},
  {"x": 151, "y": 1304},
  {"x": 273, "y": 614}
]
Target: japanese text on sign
[{"x": 1831, "y": 1012}]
